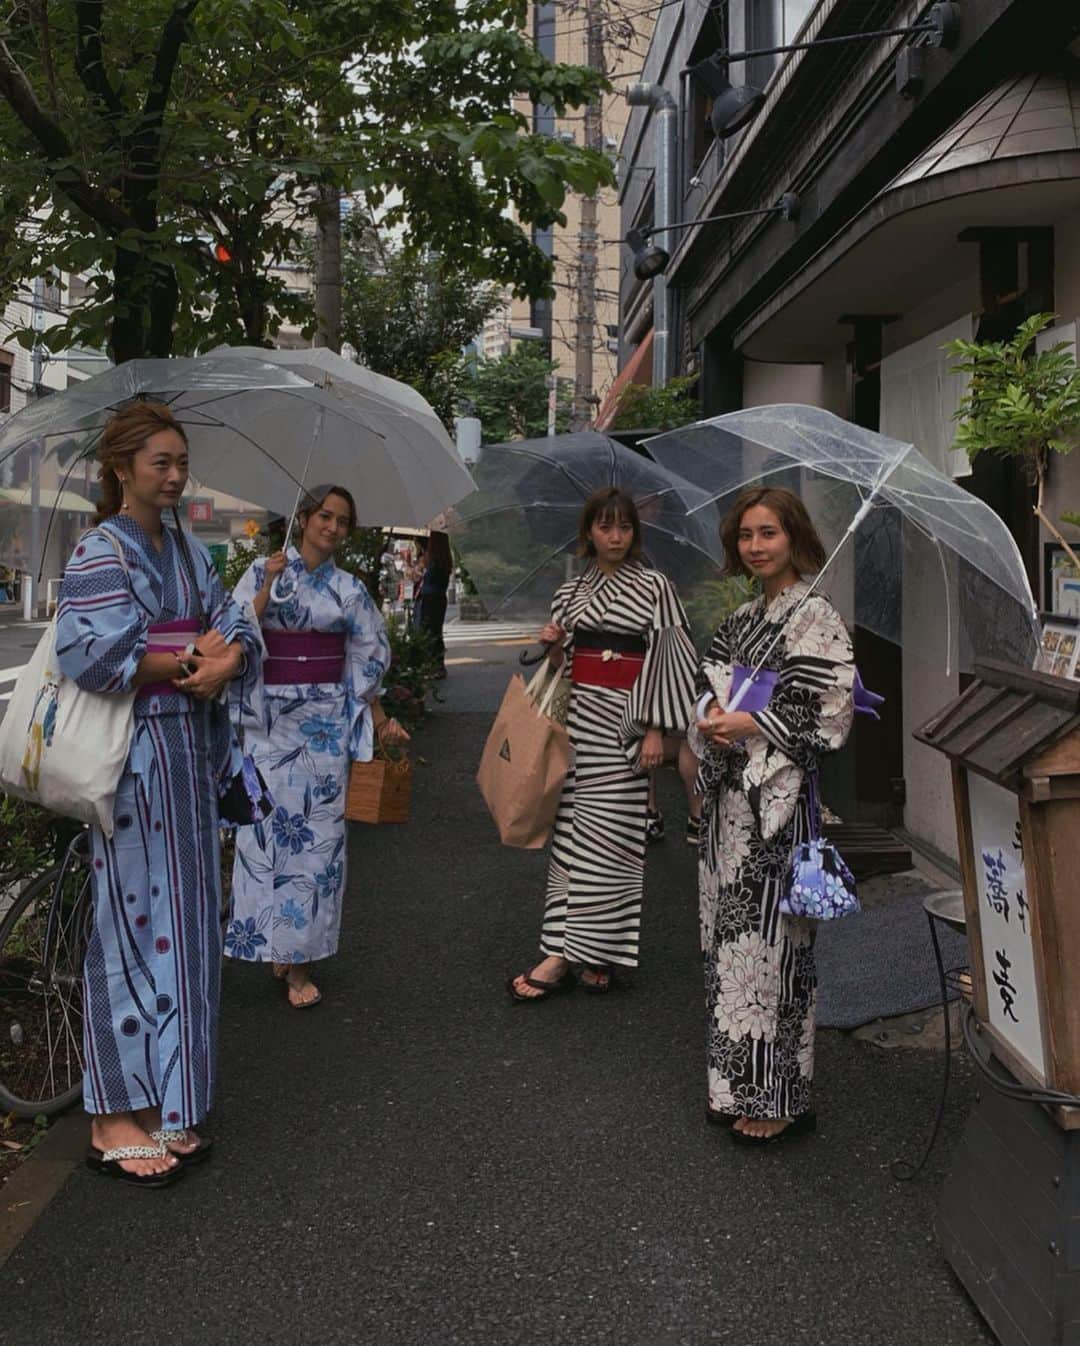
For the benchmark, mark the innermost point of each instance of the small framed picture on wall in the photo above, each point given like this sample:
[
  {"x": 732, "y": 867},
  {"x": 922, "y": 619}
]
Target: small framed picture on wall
[
  {"x": 1061, "y": 581},
  {"x": 1059, "y": 649}
]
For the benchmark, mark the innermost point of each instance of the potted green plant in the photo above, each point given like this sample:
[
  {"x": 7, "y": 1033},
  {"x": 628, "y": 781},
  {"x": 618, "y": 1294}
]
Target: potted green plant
[{"x": 1020, "y": 403}]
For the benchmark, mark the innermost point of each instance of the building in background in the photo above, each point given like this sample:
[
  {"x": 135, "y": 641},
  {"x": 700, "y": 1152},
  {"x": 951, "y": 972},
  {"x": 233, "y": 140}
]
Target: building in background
[
  {"x": 38, "y": 305},
  {"x": 938, "y": 195},
  {"x": 579, "y": 324}
]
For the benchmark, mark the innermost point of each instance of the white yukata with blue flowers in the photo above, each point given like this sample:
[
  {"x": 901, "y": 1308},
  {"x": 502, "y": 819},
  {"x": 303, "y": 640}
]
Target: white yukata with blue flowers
[{"x": 289, "y": 874}]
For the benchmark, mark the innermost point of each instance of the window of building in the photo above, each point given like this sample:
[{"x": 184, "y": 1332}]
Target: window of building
[
  {"x": 773, "y": 23},
  {"x": 52, "y": 295},
  {"x": 699, "y": 133},
  {"x": 7, "y": 363}
]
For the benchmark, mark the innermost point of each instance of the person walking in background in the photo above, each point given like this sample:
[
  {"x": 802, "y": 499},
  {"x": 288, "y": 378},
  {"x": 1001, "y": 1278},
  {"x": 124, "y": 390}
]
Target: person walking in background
[
  {"x": 620, "y": 634},
  {"x": 130, "y": 603},
  {"x": 756, "y": 777},
  {"x": 432, "y": 599},
  {"x": 315, "y": 709},
  {"x": 678, "y": 750}
]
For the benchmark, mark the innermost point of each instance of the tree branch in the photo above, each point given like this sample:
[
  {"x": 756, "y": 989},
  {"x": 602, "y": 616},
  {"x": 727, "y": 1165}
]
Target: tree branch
[
  {"x": 42, "y": 11},
  {"x": 1056, "y": 533},
  {"x": 172, "y": 39},
  {"x": 90, "y": 57},
  {"x": 15, "y": 88}
]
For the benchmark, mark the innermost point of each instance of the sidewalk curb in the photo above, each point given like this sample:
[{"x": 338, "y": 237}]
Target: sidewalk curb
[{"x": 35, "y": 1182}]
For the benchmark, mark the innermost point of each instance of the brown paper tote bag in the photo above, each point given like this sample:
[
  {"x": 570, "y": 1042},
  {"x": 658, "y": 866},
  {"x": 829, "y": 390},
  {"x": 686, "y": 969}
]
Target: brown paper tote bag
[{"x": 525, "y": 761}]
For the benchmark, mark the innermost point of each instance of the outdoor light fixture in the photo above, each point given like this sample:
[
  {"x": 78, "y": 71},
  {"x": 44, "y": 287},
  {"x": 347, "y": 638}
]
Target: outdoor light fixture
[
  {"x": 650, "y": 259},
  {"x": 735, "y": 105},
  {"x": 732, "y": 105}
]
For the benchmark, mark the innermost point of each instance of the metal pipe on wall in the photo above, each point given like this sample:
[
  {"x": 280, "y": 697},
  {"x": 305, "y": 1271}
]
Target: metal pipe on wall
[{"x": 665, "y": 124}]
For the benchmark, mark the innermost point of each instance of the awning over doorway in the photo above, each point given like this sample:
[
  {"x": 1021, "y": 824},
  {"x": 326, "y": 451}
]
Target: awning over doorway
[
  {"x": 67, "y": 502},
  {"x": 638, "y": 369},
  {"x": 1011, "y": 160}
]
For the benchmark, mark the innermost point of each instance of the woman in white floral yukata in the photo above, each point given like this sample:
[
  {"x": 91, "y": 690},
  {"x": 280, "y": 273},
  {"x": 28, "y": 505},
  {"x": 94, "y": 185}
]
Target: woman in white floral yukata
[
  {"x": 756, "y": 769},
  {"x": 315, "y": 709}
]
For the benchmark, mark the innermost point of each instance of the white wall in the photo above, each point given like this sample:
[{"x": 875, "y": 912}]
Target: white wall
[{"x": 765, "y": 383}]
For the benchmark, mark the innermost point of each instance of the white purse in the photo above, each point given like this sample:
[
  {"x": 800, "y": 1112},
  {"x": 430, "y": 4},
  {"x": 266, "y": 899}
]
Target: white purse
[{"x": 60, "y": 746}]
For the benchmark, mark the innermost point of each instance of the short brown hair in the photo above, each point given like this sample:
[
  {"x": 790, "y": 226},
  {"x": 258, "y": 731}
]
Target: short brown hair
[
  {"x": 807, "y": 550},
  {"x": 125, "y": 434},
  {"x": 316, "y": 498},
  {"x": 604, "y": 506}
]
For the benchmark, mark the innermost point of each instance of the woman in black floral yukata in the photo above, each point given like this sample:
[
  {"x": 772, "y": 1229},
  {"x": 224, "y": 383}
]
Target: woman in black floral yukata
[{"x": 756, "y": 768}]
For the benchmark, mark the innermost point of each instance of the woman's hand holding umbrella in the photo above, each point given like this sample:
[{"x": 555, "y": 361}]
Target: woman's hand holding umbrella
[
  {"x": 722, "y": 728},
  {"x": 274, "y": 566},
  {"x": 553, "y": 636}
]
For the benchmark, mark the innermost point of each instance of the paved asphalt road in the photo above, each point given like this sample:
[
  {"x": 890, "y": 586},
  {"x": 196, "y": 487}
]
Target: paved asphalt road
[
  {"x": 419, "y": 1161},
  {"x": 17, "y": 642}
]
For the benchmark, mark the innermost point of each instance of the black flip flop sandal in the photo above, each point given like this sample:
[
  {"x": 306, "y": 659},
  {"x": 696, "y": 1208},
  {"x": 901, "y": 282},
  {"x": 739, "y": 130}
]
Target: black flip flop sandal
[
  {"x": 718, "y": 1118},
  {"x": 107, "y": 1164},
  {"x": 600, "y": 988},
  {"x": 801, "y": 1126},
  {"x": 547, "y": 989}
]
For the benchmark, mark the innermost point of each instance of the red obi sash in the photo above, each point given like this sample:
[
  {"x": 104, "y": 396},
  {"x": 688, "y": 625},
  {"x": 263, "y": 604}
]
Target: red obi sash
[
  {"x": 165, "y": 638},
  {"x": 607, "y": 659},
  {"x": 303, "y": 656}
]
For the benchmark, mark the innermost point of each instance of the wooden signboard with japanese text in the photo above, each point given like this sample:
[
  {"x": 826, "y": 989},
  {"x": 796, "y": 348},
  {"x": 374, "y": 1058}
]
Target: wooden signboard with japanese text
[{"x": 1013, "y": 738}]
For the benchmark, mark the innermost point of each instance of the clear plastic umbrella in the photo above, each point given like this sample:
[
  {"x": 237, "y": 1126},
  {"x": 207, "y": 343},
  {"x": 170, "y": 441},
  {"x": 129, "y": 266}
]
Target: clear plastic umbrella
[
  {"x": 518, "y": 535},
  {"x": 259, "y": 430},
  {"x": 921, "y": 548}
]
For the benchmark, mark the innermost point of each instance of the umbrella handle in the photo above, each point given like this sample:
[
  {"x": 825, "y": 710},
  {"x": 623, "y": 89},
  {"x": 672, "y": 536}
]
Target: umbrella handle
[
  {"x": 283, "y": 587},
  {"x": 527, "y": 659}
]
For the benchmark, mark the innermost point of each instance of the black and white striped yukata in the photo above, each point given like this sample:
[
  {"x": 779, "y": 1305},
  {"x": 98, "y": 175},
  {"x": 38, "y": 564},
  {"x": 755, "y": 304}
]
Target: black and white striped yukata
[{"x": 597, "y": 870}]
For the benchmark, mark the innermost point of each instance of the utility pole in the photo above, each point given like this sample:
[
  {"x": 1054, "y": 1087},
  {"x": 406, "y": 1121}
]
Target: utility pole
[
  {"x": 585, "y": 322},
  {"x": 328, "y": 259},
  {"x": 328, "y": 270},
  {"x": 30, "y": 578}
]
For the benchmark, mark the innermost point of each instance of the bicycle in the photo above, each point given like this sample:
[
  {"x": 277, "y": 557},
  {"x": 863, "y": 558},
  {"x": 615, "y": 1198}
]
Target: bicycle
[{"x": 43, "y": 940}]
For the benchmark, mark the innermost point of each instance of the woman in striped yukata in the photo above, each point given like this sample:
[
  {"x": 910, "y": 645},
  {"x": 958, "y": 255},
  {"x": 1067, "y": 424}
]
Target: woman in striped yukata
[
  {"x": 620, "y": 634},
  {"x": 756, "y": 771},
  {"x": 128, "y": 620}
]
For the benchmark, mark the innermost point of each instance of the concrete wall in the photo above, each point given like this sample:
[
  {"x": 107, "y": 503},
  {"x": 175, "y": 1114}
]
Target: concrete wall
[{"x": 765, "y": 383}]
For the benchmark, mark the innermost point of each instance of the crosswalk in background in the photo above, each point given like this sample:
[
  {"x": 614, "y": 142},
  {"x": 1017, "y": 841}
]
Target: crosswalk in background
[
  {"x": 475, "y": 633},
  {"x": 455, "y": 633}
]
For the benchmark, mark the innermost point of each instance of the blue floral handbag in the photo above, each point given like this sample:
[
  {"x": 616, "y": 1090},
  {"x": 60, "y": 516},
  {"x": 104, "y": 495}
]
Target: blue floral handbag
[{"x": 821, "y": 886}]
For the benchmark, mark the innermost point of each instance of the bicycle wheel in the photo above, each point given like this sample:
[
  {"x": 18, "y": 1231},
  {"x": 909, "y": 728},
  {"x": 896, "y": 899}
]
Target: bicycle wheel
[{"x": 42, "y": 944}]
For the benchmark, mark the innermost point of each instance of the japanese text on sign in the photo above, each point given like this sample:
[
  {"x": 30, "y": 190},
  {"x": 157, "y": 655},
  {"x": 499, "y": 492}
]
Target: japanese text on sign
[{"x": 1008, "y": 958}]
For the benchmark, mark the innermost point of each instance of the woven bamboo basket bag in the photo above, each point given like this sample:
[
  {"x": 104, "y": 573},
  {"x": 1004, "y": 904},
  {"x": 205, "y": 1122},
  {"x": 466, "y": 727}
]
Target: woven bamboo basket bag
[{"x": 380, "y": 790}]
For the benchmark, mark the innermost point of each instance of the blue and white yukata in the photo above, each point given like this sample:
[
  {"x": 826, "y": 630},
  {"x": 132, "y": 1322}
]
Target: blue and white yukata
[
  {"x": 289, "y": 874},
  {"x": 153, "y": 964}
]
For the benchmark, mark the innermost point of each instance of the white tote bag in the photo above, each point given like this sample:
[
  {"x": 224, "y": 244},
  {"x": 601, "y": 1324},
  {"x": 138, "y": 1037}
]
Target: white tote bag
[{"x": 62, "y": 747}]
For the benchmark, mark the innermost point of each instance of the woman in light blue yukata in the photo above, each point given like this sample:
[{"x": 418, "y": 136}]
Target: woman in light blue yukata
[
  {"x": 314, "y": 710},
  {"x": 129, "y": 619}
]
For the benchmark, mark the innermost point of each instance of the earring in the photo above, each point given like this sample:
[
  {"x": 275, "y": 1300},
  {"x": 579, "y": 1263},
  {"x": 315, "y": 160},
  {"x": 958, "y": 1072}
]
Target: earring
[{"x": 123, "y": 502}]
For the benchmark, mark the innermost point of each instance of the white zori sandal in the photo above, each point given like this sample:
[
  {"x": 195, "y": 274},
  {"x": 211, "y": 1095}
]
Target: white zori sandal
[{"x": 107, "y": 1163}]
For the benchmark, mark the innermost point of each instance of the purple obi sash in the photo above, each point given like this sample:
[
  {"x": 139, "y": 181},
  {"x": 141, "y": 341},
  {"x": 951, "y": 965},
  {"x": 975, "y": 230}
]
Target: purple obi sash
[
  {"x": 303, "y": 656},
  {"x": 164, "y": 639},
  {"x": 763, "y": 682}
]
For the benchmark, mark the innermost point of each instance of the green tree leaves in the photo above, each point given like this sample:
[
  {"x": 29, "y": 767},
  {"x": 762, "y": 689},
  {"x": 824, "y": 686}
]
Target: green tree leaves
[
  {"x": 511, "y": 396},
  {"x": 409, "y": 315},
  {"x": 136, "y": 135}
]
